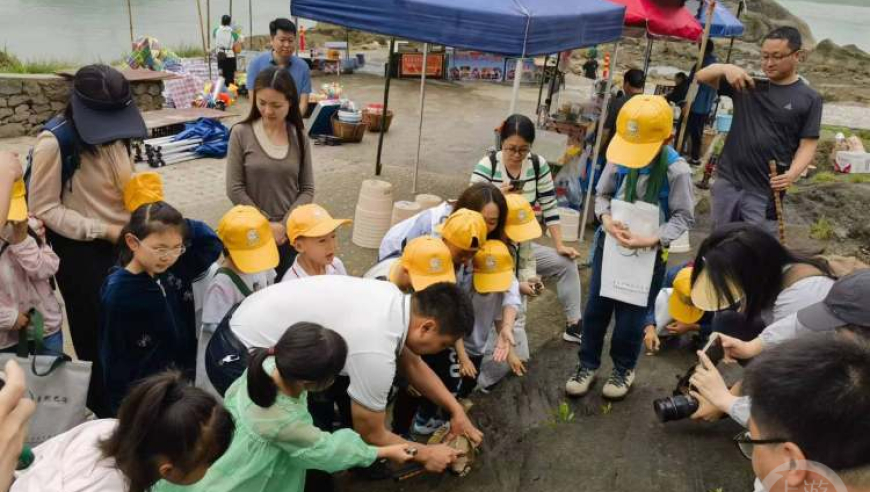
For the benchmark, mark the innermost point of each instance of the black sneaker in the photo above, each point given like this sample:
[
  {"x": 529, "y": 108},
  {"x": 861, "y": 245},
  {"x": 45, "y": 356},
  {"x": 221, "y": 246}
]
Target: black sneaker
[{"x": 573, "y": 333}]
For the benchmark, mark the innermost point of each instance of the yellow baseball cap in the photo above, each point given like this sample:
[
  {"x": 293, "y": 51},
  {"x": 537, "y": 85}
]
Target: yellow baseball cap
[
  {"x": 465, "y": 229},
  {"x": 311, "y": 220},
  {"x": 521, "y": 224},
  {"x": 493, "y": 268},
  {"x": 705, "y": 296},
  {"x": 18, "y": 204},
  {"x": 246, "y": 234},
  {"x": 680, "y": 303},
  {"x": 142, "y": 189},
  {"x": 643, "y": 125},
  {"x": 428, "y": 262}
]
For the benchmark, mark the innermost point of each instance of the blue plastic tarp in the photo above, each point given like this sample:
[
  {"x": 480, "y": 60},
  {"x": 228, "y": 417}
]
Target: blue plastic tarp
[
  {"x": 507, "y": 27},
  {"x": 725, "y": 24}
]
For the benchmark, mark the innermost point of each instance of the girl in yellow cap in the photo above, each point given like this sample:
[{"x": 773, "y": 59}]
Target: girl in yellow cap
[
  {"x": 641, "y": 167},
  {"x": 28, "y": 306}
]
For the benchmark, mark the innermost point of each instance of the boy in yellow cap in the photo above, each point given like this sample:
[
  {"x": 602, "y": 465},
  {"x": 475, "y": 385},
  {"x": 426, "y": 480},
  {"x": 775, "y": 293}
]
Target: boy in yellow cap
[
  {"x": 641, "y": 166},
  {"x": 27, "y": 262},
  {"x": 496, "y": 299},
  {"x": 425, "y": 261},
  {"x": 248, "y": 265},
  {"x": 311, "y": 231},
  {"x": 464, "y": 232},
  {"x": 673, "y": 312}
]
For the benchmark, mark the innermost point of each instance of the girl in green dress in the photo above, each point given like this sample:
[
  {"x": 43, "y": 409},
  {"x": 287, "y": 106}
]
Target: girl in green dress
[{"x": 276, "y": 440}]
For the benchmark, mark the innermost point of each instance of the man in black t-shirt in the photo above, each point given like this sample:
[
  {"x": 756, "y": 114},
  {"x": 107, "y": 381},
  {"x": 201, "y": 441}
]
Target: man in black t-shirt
[{"x": 777, "y": 120}]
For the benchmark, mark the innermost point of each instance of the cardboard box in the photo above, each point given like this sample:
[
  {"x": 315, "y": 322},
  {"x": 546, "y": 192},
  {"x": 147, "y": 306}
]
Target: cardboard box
[{"x": 853, "y": 162}]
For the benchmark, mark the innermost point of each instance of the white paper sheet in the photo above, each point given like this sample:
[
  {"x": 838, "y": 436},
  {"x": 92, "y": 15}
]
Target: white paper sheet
[{"x": 626, "y": 274}]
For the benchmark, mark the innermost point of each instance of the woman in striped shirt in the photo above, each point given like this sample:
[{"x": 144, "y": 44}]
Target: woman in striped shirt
[{"x": 515, "y": 169}]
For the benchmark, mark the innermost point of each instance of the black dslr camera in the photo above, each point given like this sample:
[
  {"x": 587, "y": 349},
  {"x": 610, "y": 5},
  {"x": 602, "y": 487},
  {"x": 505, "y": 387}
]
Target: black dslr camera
[{"x": 682, "y": 405}]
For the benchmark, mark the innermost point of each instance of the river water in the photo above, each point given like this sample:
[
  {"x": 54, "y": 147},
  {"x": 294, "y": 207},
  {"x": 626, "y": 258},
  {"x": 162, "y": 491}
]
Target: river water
[{"x": 98, "y": 30}]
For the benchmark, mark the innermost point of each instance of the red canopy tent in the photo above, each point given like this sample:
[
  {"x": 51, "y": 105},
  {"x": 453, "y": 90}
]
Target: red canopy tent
[{"x": 662, "y": 18}]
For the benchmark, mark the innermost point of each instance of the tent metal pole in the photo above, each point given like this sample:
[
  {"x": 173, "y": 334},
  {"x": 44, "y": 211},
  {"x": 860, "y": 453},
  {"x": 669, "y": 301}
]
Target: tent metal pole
[
  {"x": 740, "y": 7},
  {"x": 541, "y": 88},
  {"x": 130, "y": 15},
  {"x": 647, "y": 56},
  {"x": 208, "y": 37},
  {"x": 251, "y": 24},
  {"x": 422, "y": 104},
  {"x": 202, "y": 33},
  {"x": 693, "y": 88},
  {"x": 389, "y": 74},
  {"x": 598, "y": 138},
  {"x": 518, "y": 75}
]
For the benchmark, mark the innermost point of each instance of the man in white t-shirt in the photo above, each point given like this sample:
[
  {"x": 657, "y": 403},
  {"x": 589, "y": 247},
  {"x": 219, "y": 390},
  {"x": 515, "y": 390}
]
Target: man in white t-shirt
[{"x": 386, "y": 331}]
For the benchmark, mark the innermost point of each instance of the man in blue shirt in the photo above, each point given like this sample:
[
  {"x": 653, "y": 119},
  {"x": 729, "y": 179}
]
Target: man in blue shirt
[
  {"x": 701, "y": 109},
  {"x": 283, "y": 33}
]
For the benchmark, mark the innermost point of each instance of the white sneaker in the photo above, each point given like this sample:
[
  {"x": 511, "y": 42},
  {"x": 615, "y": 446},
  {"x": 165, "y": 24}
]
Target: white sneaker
[
  {"x": 580, "y": 383},
  {"x": 618, "y": 384}
]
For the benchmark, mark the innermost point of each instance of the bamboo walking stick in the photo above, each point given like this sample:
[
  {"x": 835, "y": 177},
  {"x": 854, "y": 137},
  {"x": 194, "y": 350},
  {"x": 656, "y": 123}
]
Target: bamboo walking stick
[{"x": 777, "y": 201}]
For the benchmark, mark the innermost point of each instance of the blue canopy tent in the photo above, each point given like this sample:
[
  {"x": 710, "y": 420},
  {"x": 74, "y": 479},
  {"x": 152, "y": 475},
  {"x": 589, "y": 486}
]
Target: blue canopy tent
[
  {"x": 725, "y": 24},
  {"x": 520, "y": 28}
]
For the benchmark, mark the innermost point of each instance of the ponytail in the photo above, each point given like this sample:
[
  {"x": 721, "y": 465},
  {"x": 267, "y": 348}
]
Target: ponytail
[
  {"x": 167, "y": 405},
  {"x": 306, "y": 352},
  {"x": 261, "y": 387}
]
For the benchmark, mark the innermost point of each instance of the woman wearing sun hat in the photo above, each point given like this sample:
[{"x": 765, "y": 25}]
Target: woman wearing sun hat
[
  {"x": 84, "y": 213},
  {"x": 641, "y": 166}
]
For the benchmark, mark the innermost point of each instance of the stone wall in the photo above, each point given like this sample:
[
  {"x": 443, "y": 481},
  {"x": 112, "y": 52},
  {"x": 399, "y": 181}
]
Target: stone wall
[{"x": 28, "y": 101}]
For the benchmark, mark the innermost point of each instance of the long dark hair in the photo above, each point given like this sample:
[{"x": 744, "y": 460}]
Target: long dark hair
[
  {"x": 752, "y": 260},
  {"x": 477, "y": 196},
  {"x": 305, "y": 352},
  {"x": 165, "y": 417},
  {"x": 149, "y": 218},
  {"x": 517, "y": 124},
  {"x": 280, "y": 80}
]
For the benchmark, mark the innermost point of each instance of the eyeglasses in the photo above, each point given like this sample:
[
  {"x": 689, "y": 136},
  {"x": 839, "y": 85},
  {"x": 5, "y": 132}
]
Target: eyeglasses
[
  {"x": 517, "y": 150},
  {"x": 776, "y": 57},
  {"x": 745, "y": 443},
  {"x": 164, "y": 253}
]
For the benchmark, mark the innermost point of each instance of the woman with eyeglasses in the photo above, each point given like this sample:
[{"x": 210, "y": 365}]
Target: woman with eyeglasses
[
  {"x": 516, "y": 169},
  {"x": 147, "y": 321}
]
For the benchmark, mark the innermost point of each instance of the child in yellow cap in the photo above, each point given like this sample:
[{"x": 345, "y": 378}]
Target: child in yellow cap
[
  {"x": 425, "y": 261},
  {"x": 641, "y": 167},
  {"x": 521, "y": 228},
  {"x": 673, "y": 313},
  {"x": 496, "y": 299},
  {"x": 27, "y": 302},
  {"x": 311, "y": 231},
  {"x": 249, "y": 259}
]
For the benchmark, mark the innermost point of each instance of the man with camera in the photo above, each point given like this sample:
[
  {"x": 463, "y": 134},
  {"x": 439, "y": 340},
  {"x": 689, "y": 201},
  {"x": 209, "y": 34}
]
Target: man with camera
[{"x": 777, "y": 118}]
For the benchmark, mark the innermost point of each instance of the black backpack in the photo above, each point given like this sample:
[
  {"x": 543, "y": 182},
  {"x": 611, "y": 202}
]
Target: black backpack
[{"x": 66, "y": 137}]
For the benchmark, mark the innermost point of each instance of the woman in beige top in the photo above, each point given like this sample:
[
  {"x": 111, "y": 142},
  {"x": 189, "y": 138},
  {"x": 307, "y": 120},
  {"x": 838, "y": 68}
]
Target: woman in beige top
[
  {"x": 269, "y": 160},
  {"x": 84, "y": 212}
]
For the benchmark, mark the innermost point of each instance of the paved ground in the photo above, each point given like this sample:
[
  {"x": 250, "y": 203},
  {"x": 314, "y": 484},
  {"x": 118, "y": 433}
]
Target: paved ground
[{"x": 620, "y": 449}]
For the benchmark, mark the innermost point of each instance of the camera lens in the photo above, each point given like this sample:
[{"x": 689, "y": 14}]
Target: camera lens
[{"x": 675, "y": 408}]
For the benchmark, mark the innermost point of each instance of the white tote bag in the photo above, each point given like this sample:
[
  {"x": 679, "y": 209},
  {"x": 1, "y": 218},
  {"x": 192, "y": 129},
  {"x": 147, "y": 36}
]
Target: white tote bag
[{"x": 59, "y": 387}]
